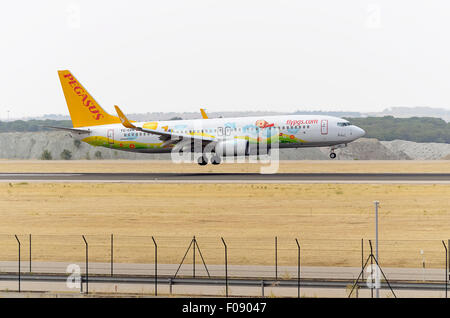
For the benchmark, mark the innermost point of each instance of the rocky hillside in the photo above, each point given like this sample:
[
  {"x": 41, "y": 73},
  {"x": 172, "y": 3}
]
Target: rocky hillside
[
  {"x": 421, "y": 151},
  {"x": 32, "y": 145}
]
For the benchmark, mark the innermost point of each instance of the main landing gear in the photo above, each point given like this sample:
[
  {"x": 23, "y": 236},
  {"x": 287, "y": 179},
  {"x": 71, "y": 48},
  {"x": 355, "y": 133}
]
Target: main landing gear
[
  {"x": 202, "y": 161},
  {"x": 332, "y": 155},
  {"x": 215, "y": 160}
]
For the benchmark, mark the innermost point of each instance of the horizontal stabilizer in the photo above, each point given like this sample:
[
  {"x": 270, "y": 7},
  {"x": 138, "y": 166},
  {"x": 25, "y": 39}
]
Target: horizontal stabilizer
[{"x": 73, "y": 130}]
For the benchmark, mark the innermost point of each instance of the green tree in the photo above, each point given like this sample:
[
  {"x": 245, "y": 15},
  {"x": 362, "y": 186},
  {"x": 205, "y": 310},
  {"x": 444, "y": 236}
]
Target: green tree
[
  {"x": 66, "y": 154},
  {"x": 46, "y": 155},
  {"x": 33, "y": 125},
  {"x": 418, "y": 129}
]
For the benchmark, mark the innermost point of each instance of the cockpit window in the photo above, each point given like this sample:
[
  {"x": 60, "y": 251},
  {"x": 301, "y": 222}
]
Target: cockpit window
[{"x": 342, "y": 124}]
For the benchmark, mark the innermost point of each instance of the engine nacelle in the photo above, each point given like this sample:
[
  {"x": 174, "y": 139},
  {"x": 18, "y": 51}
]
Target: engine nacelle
[{"x": 232, "y": 147}]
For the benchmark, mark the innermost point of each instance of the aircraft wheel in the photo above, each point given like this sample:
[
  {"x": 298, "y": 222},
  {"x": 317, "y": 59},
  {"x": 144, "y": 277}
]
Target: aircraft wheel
[
  {"x": 215, "y": 160},
  {"x": 202, "y": 161},
  {"x": 332, "y": 155}
]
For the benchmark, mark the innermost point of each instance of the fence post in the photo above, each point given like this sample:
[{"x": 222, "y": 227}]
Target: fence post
[
  {"x": 112, "y": 255},
  {"x": 182, "y": 260},
  {"x": 156, "y": 266},
  {"x": 262, "y": 288},
  {"x": 362, "y": 258},
  {"x": 446, "y": 267},
  {"x": 193, "y": 259},
  {"x": 19, "y": 259},
  {"x": 226, "y": 268},
  {"x": 87, "y": 266},
  {"x": 30, "y": 252},
  {"x": 371, "y": 269},
  {"x": 276, "y": 258},
  {"x": 298, "y": 270}
]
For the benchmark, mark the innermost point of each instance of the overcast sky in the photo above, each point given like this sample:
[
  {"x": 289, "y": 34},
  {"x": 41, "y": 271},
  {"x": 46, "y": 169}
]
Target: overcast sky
[{"x": 179, "y": 55}]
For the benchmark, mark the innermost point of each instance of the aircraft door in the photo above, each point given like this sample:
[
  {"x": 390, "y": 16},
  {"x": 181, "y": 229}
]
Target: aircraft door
[
  {"x": 324, "y": 127},
  {"x": 110, "y": 135}
]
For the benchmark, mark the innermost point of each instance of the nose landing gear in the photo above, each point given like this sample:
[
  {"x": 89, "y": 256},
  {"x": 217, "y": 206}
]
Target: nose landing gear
[{"x": 333, "y": 148}]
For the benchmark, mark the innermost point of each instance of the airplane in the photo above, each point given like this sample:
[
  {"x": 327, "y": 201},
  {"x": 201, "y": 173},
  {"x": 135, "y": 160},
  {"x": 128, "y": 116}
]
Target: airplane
[{"x": 211, "y": 138}]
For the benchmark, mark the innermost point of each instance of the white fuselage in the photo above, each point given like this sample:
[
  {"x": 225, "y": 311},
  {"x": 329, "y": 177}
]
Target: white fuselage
[{"x": 293, "y": 131}]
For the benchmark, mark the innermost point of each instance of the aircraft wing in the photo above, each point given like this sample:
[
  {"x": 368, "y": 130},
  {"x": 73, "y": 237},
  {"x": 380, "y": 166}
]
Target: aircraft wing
[{"x": 166, "y": 135}]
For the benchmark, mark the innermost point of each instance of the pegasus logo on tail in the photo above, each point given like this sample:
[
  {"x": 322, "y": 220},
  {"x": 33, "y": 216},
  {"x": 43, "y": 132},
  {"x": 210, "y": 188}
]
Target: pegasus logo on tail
[{"x": 84, "y": 97}]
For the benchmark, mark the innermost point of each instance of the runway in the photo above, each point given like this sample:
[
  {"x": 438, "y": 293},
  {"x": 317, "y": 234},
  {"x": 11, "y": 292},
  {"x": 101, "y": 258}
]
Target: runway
[
  {"x": 243, "y": 280},
  {"x": 424, "y": 178}
]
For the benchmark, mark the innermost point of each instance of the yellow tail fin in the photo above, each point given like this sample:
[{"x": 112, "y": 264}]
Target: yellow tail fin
[
  {"x": 84, "y": 110},
  {"x": 203, "y": 113}
]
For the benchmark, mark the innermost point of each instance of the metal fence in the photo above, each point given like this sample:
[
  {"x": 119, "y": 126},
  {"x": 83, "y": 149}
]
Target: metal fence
[{"x": 255, "y": 258}]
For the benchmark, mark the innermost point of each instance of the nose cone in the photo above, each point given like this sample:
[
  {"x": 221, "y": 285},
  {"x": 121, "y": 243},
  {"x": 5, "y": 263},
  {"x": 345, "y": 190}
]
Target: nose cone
[{"x": 359, "y": 132}]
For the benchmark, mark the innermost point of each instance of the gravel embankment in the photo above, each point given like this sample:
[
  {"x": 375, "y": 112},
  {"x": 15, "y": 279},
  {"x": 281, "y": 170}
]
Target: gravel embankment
[{"x": 419, "y": 151}]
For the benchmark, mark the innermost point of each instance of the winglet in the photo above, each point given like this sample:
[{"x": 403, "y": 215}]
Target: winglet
[
  {"x": 123, "y": 118},
  {"x": 203, "y": 113}
]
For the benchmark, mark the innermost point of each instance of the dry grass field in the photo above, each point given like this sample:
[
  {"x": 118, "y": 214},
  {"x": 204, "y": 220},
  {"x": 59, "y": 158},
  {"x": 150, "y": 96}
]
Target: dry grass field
[
  {"x": 328, "y": 219},
  {"x": 140, "y": 166}
]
